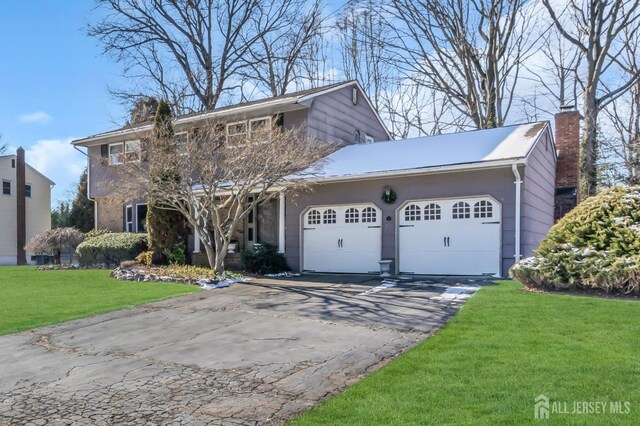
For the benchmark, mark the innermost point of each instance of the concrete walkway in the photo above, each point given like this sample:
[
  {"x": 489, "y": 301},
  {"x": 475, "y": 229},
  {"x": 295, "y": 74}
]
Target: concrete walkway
[{"x": 260, "y": 352}]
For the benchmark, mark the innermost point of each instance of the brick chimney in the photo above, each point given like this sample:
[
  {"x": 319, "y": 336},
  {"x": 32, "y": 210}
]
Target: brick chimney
[
  {"x": 21, "y": 218},
  {"x": 567, "y": 123}
]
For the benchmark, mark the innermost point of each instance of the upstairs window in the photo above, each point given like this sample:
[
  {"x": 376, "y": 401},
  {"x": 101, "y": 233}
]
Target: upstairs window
[
  {"x": 27, "y": 191},
  {"x": 260, "y": 129},
  {"x": 181, "y": 139},
  {"x": 236, "y": 132},
  {"x": 6, "y": 187},
  {"x": 116, "y": 153},
  {"x": 132, "y": 150}
]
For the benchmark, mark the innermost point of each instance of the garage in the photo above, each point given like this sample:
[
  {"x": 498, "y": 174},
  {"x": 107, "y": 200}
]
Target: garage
[
  {"x": 342, "y": 238},
  {"x": 457, "y": 236}
]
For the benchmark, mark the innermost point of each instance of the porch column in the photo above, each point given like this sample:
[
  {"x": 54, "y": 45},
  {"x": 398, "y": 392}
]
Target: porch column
[
  {"x": 281, "y": 224},
  {"x": 196, "y": 241}
]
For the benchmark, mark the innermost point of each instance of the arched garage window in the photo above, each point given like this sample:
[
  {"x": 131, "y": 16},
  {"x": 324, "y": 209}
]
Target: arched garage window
[
  {"x": 432, "y": 212},
  {"x": 313, "y": 217},
  {"x": 369, "y": 215},
  {"x": 412, "y": 213},
  {"x": 329, "y": 216},
  {"x": 352, "y": 215},
  {"x": 483, "y": 208},
  {"x": 461, "y": 210}
]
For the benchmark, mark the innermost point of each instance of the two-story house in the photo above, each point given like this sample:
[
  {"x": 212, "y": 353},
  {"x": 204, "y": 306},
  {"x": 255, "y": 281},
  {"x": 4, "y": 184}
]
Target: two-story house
[
  {"x": 25, "y": 207},
  {"x": 467, "y": 203}
]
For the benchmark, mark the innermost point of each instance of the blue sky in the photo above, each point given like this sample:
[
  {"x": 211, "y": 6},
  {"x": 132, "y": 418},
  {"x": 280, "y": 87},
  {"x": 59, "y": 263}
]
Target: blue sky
[{"x": 53, "y": 85}]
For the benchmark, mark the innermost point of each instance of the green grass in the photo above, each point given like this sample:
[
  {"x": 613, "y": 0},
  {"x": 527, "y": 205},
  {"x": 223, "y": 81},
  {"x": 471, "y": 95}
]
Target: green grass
[
  {"x": 504, "y": 348},
  {"x": 29, "y": 298}
]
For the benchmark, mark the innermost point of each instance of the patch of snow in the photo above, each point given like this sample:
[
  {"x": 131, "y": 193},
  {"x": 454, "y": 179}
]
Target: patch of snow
[
  {"x": 457, "y": 293},
  {"x": 282, "y": 274},
  {"x": 385, "y": 284}
]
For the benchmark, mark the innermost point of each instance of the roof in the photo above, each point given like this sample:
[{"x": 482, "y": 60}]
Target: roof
[
  {"x": 286, "y": 99},
  {"x": 454, "y": 150},
  {"x": 33, "y": 169}
]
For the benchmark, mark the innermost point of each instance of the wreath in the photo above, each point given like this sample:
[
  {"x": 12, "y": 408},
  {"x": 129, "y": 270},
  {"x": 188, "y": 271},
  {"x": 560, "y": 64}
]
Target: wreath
[{"x": 389, "y": 196}]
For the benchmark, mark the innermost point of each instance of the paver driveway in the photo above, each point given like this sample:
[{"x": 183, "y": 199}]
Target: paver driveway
[{"x": 259, "y": 352}]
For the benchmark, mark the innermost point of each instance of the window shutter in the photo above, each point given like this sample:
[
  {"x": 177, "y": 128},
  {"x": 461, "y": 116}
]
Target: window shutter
[
  {"x": 278, "y": 120},
  {"x": 104, "y": 151}
]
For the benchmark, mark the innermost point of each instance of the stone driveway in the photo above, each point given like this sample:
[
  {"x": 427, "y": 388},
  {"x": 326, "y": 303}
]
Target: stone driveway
[{"x": 254, "y": 353}]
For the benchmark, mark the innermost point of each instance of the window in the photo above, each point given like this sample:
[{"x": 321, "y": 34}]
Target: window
[
  {"x": 181, "y": 139},
  {"x": 329, "y": 216},
  {"x": 356, "y": 136},
  {"x": 128, "y": 219},
  {"x": 27, "y": 190},
  {"x": 6, "y": 187},
  {"x": 461, "y": 210},
  {"x": 432, "y": 212},
  {"x": 412, "y": 213},
  {"x": 132, "y": 150},
  {"x": 313, "y": 217},
  {"x": 354, "y": 96},
  {"x": 116, "y": 153},
  {"x": 483, "y": 208},
  {"x": 369, "y": 215},
  {"x": 141, "y": 218},
  {"x": 352, "y": 215},
  {"x": 368, "y": 139},
  {"x": 236, "y": 132},
  {"x": 260, "y": 129}
]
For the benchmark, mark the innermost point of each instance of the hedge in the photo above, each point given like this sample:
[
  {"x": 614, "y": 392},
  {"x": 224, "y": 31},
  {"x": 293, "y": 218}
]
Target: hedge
[
  {"x": 111, "y": 248},
  {"x": 596, "y": 246}
]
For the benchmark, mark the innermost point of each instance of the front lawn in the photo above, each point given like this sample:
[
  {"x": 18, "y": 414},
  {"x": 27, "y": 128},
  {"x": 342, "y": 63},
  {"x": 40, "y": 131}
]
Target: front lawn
[
  {"x": 503, "y": 349},
  {"x": 29, "y": 298}
]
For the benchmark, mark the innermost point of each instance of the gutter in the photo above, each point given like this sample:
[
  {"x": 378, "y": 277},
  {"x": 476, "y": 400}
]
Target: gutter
[{"x": 518, "y": 183}]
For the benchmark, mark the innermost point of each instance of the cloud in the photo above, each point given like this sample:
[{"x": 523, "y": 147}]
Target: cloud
[
  {"x": 39, "y": 117},
  {"x": 60, "y": 162}
]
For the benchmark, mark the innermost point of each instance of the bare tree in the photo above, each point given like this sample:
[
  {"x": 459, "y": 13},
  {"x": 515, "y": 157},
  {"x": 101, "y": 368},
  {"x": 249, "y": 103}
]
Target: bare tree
[
  {"x": 190, "y": 52},
  {"x": 276, "y": 57},
  {"x": 598, "y": 29},
  {"x": 214, "y": 183},
  {"x": 471, "y": 51}
]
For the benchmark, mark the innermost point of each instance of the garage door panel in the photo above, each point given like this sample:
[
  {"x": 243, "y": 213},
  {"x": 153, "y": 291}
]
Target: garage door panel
[
  {"x": 350, "y": 242},
  {"x": 450, "y": 237}
]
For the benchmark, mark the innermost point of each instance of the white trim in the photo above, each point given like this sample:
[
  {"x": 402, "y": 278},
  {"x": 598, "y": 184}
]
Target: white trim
[
  {"x": 126, "y": 219},
  {"x": 281, "y": 222},
  {"x": 518, "y": 183},
  {"x": 196, "y": 241}
]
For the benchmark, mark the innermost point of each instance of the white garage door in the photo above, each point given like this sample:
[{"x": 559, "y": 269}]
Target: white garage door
[
  {"x": 342, "y": 239},
  {"x": 450, "y": 237}
]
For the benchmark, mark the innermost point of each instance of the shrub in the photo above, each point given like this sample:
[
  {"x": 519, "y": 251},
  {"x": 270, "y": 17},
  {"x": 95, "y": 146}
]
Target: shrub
[
  {"x": 595, "y": 246},
  {"x": 146, "y": 257},
  {"x": 54, "y": 241},
  {"x": 111, "y": 248},
  {"x": 176, "y": 255},
  {"x": 96, "y": 233},
  {"x": 264, "y": 259}
]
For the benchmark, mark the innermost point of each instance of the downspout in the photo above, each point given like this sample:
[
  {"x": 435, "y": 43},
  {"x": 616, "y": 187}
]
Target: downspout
[
  {"x": 95, "y": 205},
  {"x": 518, "y": 182}
]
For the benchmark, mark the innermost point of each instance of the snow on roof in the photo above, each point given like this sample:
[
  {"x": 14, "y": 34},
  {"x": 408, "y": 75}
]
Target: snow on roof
[{"x": 478, "y": 146}]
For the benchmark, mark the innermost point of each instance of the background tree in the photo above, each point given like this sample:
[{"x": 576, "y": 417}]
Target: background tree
[
  {"x": 60, "y": 215},
  {"x": 599, "y": 30},
  {"x": 195, "y": 52},
  {"x": 82, "y": 211},
  {"x": 469, "y": 51},
  {"x": 210, "y": 182},
  {"x": 165, "y": 228},
  {"x": 3, "y": 148}
]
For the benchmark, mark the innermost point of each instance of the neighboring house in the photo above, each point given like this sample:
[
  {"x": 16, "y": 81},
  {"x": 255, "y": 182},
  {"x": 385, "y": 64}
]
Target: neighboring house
[
  {"x": 25, "y": 207},
  {"x": 467, "y": 203}
]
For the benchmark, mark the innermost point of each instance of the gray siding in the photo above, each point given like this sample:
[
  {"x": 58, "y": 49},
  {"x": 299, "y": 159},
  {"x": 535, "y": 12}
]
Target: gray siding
[
  {"x": 538, "y": 190},
  {"x": 497, "y": 183},
  {"x": 333, "y": 117}
]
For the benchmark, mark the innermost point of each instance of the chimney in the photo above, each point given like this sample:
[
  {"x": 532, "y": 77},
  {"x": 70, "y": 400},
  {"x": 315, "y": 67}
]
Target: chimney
[
  {"x": 21, "y": 219},
  {"x": 567, "y": 123}
]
